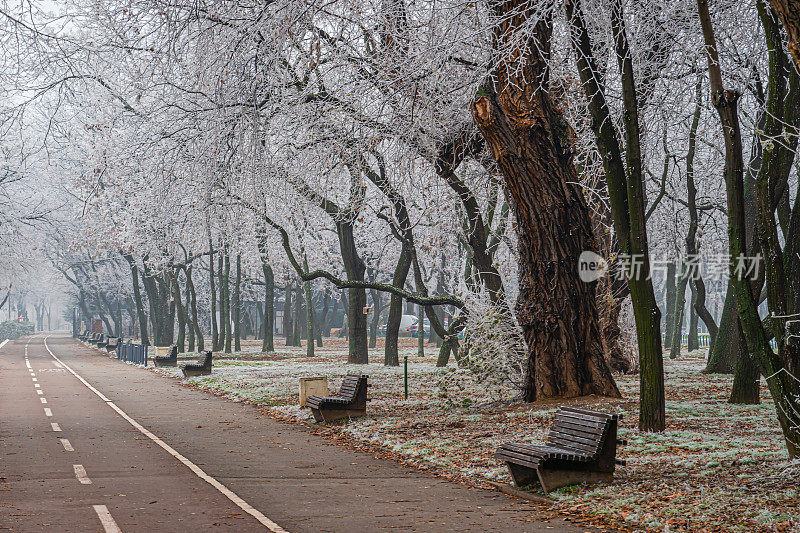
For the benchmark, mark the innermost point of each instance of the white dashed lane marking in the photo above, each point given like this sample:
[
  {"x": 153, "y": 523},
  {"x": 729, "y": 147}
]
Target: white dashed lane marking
[
  {"x": 199, "y": 472},
  {"x": 55, "y": 426},
  {"x": 106, "y": 519},
  {"x": 80, "y": 473},
  {"x": 34, "y": 380},
  {"x": 44, "y": 400},
  {"x": 48, "y": 412},
  {"x": 39, "y": 391},
  {"x": 67, "y": 446}
]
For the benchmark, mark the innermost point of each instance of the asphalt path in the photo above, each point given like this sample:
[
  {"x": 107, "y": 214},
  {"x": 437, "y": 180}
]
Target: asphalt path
[{"x": 91, "y": 444}]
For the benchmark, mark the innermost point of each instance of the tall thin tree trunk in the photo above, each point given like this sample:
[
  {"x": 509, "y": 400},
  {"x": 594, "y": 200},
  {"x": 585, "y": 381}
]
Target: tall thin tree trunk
[
  {"x": 137, "y": 298},
  {"x": 215, "y": 344},
  {"x": 376, "y": 316},
  {"x": 670, "y": 290},
  {"x": 298, "y": 312},
  {"x": 226, "y": 302},
  {"x": 177, "y": 299},
  {"x": 420, "y": 331},
  {"x": 190, "y": 326},
  {"x": 237, "y": 305},
  {"x": 288, "y": 323},
  {"x": 391, "y": 356},
  {"x": 692, "y": 342},
  {"x": 198, "y": 331},
  {"x": 309, "y": 315},
  {"x": 268, "y": 343}
]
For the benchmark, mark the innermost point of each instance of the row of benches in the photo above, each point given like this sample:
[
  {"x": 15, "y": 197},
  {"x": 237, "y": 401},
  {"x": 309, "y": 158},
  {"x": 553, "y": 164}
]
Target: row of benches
[
  {"x": 201, "y": 368},
  {"x": 580, "y": 447},
  {"x": 101, "y": 341}
]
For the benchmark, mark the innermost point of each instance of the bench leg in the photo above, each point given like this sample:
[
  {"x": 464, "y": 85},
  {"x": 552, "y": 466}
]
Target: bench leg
[
  {"x": 317, "y": 415},
  {"x": 329, "y": 415},
  {"x": 523, "y": 476},
  {"x": 551, "y": 479}
]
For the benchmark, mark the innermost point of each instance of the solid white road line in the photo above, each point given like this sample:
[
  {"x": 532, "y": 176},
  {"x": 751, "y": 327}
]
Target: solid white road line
[
  {"x": 55, "y": 426},
  {"x": 48, "y": 412},
  {"x": 3, "y": 343},
  {"x": 106, "y": 519},
  {"x": 232, "y": 496},
  {"x": 67, "y": 446},
  {"x": 44, "y": 400},
  {"x": 80, "y": 473}
]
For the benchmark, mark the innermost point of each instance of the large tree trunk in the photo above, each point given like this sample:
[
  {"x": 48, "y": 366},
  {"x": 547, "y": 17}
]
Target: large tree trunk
[
  {"x": 529, "y": 139},
  {"x": 357, "y": 297},
  {"x": 746, "y": 387}
]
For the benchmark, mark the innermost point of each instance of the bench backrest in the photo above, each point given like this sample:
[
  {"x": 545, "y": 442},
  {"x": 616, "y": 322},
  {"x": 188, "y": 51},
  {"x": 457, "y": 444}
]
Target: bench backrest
[
  {"x": 205, "y": 362},
  {"x": 354, "y": 388},
  {"x": 582, "y": 430},
  {"x": 173, "y": 352}
]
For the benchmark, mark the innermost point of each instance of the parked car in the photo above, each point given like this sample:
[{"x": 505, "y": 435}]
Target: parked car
[{"x": 405, "y": 322}]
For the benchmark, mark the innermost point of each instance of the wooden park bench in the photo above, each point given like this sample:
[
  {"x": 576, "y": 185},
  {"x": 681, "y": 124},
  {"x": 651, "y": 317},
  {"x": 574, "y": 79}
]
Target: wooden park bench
[
  {"x": 84, "y": 335},
  {"x": 171, "y": 359},
  {"x": 351, "y": 401},
  {"x": 581, "y": 447},
  {"x": 201, "y": 368},
  {"x": 102, "y": 342},
  {"x": 112, "y": 344},
  {"x": 94, "y": 338}
]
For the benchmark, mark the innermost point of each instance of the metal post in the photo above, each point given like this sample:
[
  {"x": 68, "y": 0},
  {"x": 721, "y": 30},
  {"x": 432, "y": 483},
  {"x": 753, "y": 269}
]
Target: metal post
[{"x": 405, "y": 372}]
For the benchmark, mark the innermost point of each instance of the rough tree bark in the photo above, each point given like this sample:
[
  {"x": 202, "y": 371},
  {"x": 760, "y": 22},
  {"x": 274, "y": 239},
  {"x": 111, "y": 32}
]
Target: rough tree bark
[{"x": 529, "y": 139}]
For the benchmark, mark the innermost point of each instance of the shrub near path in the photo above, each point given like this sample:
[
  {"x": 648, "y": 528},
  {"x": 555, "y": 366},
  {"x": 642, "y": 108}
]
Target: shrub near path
[{"x": 717, "y": 467}]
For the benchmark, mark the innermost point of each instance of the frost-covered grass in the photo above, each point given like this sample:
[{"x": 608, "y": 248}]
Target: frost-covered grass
[{"x": 717, "y": 467}]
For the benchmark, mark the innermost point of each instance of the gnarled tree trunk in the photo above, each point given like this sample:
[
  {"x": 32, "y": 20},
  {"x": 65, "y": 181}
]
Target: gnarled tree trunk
[{"x": 529, "y": 139}]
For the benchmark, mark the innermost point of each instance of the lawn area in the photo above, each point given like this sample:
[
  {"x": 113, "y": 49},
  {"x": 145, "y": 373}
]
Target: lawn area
[{"x": 718, "y": 467}]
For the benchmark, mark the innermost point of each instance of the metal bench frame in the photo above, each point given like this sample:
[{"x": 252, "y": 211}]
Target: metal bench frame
[{"x": 581, "y": 447}]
